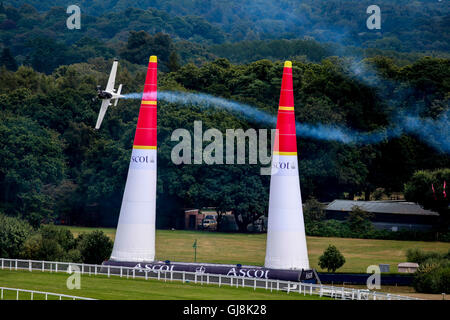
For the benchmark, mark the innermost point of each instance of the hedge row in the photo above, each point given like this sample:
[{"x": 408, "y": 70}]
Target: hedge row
[{"x": 19, "y": 240}]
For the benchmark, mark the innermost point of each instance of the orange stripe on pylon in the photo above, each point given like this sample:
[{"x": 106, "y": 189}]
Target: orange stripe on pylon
[
  {"x": 144, "y": 147},
  {"x": 285, "y": 153},
  {"x": 153, "y": 102}
]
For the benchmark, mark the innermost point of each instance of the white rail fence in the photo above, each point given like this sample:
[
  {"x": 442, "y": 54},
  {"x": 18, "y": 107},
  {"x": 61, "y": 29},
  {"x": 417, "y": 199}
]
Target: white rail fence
[
  {"x": 202, "y": 278},
  {"x": 35, "y": 295}
]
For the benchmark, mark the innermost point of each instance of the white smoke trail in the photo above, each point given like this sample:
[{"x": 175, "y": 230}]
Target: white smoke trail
[
  {"x": 433, "y": 132},
  {"x": 250, "y": 113}
]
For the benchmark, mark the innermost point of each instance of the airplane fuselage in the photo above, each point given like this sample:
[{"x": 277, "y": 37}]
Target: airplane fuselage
[{"x": 104, "y": 95}]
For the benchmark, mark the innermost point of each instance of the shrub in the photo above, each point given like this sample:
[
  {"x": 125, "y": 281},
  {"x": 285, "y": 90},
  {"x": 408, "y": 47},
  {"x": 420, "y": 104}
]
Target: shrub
[
  {"x": 39, "y": 247},
  {"x": 447, "y": 255},
  {"x": 335, "y": 228},
  {"x": 415, "y": 255},
  {"x": 62, "y": 236},
  {"x": 445, "y": 237},
  {"x": 331, "y": 259},
  {"x": 419, "y": 256},
  {"x": 433, "y": 274},
  {"x": 378, "y": 193},
  {"x": 433, "y": 279},
  {"x": 13, "y": 234},
  {"x": 95, "y": 247},
  {"x": 50, "y": 250},
  {"x": 32, "y": 247},
  {"x": 53, "y": 243},
  {"x": 73, "y": 255},
  {"x": 445, "y": 280},
  {"x": 313, "y": 211},
  {"x": 359, "y": 220}
]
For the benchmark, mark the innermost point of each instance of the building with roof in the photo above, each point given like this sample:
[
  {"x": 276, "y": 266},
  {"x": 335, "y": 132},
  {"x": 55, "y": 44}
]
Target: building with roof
[
  {"x": 390, "y": 215},
  {"x": 206, "y": 219},
  {"x": 407, "y": 267}
]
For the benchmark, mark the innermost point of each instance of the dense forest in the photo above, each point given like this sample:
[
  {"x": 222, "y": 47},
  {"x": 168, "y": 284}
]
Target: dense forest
[
  {"x": 205, "y": 30},
  {"x": 54, "y": 163},
  {"x": 406, "y": 25},
  {"x": 54, "y": 166}
]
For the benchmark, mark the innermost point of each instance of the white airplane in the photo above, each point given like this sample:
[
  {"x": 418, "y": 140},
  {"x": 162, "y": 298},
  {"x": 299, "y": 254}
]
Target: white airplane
[{"x": 108, "y": 94}]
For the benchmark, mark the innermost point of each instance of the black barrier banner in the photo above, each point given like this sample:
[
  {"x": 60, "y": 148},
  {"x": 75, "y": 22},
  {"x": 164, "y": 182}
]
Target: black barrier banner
[{"x": 227, "y": 270}]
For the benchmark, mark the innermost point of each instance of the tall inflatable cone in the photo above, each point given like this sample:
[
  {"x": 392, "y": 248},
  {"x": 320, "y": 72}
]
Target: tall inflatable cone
[
  {"x": 135, "y": 236},
  {"x": 286, "y": 240}
]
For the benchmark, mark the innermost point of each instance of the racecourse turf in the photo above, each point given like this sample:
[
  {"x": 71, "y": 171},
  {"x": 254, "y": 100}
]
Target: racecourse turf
[
  {"x": 233, "y": 248},
  {"x": 116, "y": 288}
]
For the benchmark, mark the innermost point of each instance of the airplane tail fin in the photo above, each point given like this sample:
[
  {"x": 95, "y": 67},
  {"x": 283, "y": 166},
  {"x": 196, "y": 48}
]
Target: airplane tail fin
[{"x": 118, "y": 92}]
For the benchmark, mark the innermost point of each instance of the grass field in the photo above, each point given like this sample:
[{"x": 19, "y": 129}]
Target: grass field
[
  {"x": 215, "y": 248},
  {"x": 116, "y": 288},
  {"x": 250, "y": 249}
]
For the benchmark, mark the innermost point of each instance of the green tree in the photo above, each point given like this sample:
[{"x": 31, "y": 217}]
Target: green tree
[
  {"x": 32, "y": 247},
  {"x": 7, "y": 60},
  {"x": 30, "y": 157},
  {"x": 433, "y": 276},
  {"x": 61, "y": 235},
  {"x": 50, "y": 250},
  {"x": 419, "y": 256},
  {"x": 47, "y": 54},
  {"x": 141, "y": 45},
  {"x": 313, "y": 211},
  {"x": 95, "y": 247},
  {"x": 419, "y": 189},
  {"x": 13, "y": 234},
  {"x": 174, "y": 63},
  {"x": 51, "y": 243},
  {"x": 331, "y": 259},
  {"x": 245, "y": 198},
  {"x": 359, "y": 220}
]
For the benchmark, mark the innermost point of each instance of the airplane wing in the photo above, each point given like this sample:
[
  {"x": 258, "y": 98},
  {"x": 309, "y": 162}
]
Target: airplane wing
[
  {"x": 101, "y": 115},
  {"x": 112, "y": 77}
]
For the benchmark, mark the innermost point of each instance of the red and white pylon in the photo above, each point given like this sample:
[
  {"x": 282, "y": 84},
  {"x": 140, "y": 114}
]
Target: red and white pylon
[
  {"x": 286, "y": 239},
  {"x": 135, "y": 235}
]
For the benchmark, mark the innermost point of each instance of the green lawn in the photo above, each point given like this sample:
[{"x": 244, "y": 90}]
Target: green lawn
[
  {"x": 116, "y": 288},
  {"x": 215, "y": 248},
  {"x": 250, "y": 248}
]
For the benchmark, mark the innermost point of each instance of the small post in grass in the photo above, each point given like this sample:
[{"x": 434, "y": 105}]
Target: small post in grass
[{"x": 195, "y": 250}]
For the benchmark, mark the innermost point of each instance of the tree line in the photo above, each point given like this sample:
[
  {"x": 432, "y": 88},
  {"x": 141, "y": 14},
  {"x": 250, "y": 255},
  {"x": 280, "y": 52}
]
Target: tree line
[
  {"x": 55, "y": 167},
  {"x": 19, "y": 240},
  {"x": 406, "y": 26},
  {"x": 195, "y": 34}
]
